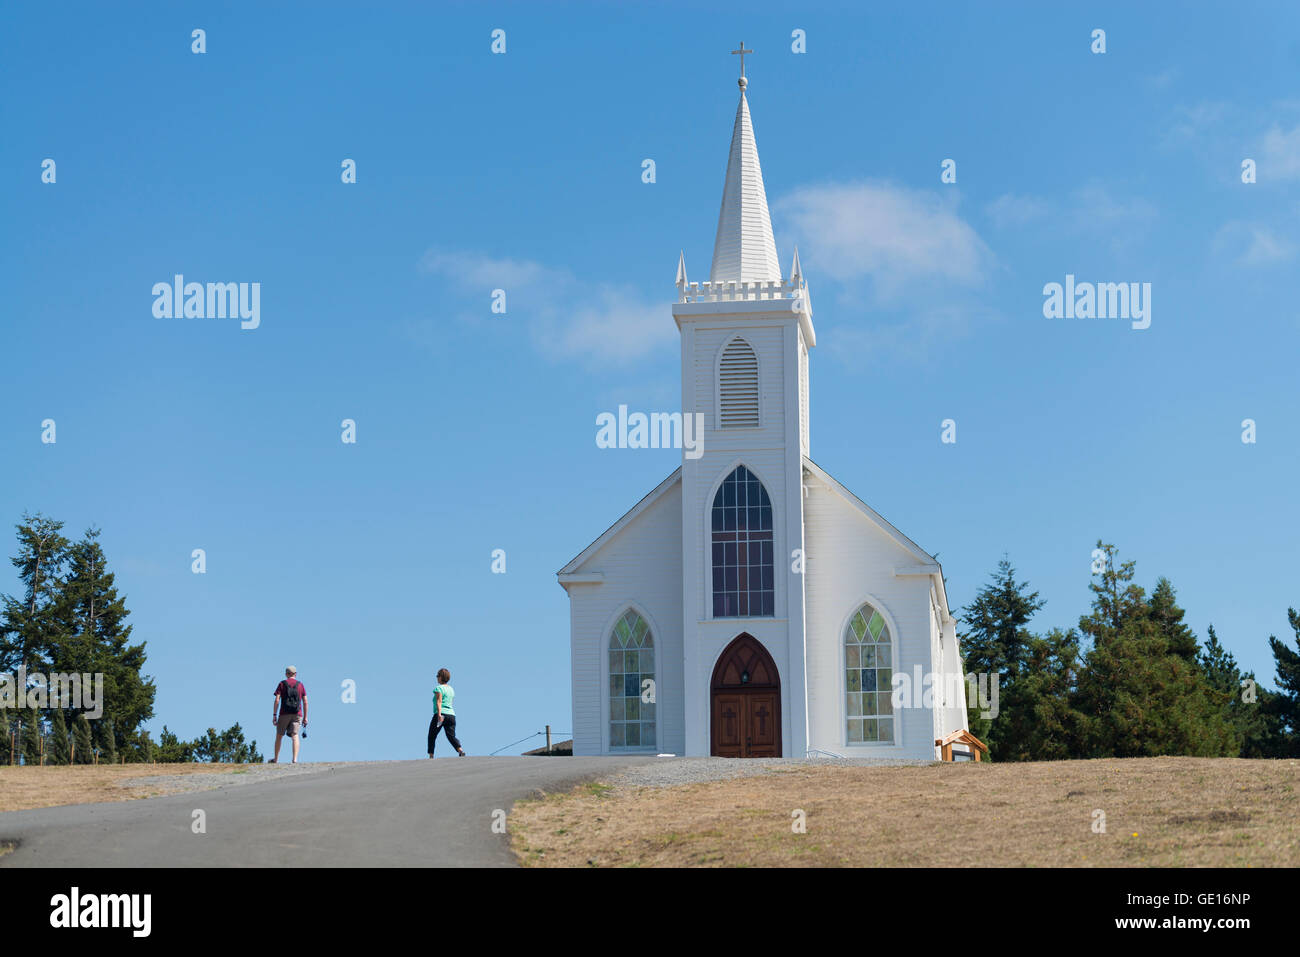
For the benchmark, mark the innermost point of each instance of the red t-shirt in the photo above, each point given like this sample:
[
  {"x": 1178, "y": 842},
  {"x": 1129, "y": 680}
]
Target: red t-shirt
[{"x": 280, "y": 693}]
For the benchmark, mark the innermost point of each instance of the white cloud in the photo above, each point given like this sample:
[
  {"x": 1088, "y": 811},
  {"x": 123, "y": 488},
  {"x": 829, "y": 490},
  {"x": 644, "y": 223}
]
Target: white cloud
[
  {"x": 925, "y": 331},
  {"x": 1280, "y": 155},
  {"x": 1096, "y": 208},
  {"x": 1163, "y": 79},
  {"x": 1191, "y": 122},
  {"x": 924, "y": 263},
  {"x": 895, "y": 236},
  {"x": 1091, "y": 209},
  {"x": 1120, "y": 222},
  {"x": 1252, "y": 244},
  {"x": 600, "y": 322},
  {"x": 471, "y": 270},
  {"x": 1012, "y": 210}
]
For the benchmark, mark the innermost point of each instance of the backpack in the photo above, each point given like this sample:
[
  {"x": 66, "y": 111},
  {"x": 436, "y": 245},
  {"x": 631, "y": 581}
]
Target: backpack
[{"x": 290, "y": 702}]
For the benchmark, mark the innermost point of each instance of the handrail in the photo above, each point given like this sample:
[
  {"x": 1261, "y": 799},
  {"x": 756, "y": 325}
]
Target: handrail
[{"x": 830, "y": 754}]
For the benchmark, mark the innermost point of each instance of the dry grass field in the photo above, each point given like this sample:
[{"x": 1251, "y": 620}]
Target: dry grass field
[
  {"x": 1174, "y": 812},
  {"x": 29, "y": 787}
]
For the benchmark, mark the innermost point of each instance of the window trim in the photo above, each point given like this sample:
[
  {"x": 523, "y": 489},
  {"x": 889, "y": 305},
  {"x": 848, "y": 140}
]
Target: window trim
[
  {"x": 843, "y": 711},
  {"x": 607, "y": 634},
  {"x": 707, "y": 538}
]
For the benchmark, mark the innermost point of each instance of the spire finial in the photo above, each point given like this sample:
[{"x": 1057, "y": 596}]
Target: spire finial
[
  {"x": 743, "y": 250},
  {"x": 742, "y": 51}
]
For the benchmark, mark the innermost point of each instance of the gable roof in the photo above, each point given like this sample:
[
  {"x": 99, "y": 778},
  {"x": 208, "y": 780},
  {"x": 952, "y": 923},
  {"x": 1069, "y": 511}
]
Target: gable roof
[
  {"x": 630, "y": 516},
  {"x": 926, "y": 563},
  {"x": 925, "y": 560}
]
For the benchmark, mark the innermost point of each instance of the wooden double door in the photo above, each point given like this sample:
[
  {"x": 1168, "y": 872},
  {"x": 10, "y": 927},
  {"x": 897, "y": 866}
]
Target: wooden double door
[{"x": 746, "y": 707}]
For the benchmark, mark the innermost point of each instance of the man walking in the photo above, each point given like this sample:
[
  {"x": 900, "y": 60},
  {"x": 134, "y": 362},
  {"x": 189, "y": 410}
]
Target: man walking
[{"x": 289, "y": 703}]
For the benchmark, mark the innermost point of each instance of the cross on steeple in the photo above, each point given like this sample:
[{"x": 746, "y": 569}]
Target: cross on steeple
[{"x": 742, "y": 51}]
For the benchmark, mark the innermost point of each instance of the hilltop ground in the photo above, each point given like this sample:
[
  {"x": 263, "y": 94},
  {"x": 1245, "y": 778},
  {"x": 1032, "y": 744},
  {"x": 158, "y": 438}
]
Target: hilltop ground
[
  {"x": 1179, "y": 812},
  {"x": 22, "y": 788}
]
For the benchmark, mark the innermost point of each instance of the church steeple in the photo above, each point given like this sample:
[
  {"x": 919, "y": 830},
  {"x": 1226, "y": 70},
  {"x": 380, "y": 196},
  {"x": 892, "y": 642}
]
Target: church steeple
[{"x": 744, "y": 250}]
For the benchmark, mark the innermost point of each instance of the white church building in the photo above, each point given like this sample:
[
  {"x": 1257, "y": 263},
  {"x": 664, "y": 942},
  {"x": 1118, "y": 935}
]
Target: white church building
[{"x": 750, "y": 605}]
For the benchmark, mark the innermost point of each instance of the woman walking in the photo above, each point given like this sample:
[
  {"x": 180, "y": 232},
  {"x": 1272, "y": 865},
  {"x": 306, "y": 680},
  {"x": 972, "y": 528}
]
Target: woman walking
[{"x": 444, "y": 714}]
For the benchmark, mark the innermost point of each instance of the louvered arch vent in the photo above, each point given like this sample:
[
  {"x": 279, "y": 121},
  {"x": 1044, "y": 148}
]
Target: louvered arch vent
[{"x": 738, "y": 386}]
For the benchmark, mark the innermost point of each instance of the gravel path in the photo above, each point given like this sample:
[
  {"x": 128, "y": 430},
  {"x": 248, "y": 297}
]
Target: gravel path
[
  {"x": 663, "y": 773},
  {"x": 160, "y": 784},
  {"x": 671, "y": 772}
]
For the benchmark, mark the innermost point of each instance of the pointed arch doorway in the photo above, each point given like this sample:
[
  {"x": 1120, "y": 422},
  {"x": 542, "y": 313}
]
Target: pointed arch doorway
[{"x": 746, "y": 706}]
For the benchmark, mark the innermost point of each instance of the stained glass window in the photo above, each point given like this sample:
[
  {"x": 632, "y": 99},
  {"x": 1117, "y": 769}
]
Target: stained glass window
[
  {"x": 869, "y": 712},
  {"x": 744, "y": 577},
  {"x": 631, "y": 664}
]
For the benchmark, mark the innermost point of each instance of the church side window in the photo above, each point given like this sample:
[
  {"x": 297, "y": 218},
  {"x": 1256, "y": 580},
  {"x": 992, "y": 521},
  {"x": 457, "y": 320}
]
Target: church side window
[
  {"x": 868, "y": 661},
  {"x": 738, "y": 386},
  {"x": 631, "y": 664},
  {"x": 744, "y": 580}
]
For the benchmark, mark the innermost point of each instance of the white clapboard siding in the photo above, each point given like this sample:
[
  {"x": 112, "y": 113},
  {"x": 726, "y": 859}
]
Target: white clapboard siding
[
  {"x": 642, "y": 569},
  {"x": 849, "y": 560},
  {"x": 803, "y": 397}
]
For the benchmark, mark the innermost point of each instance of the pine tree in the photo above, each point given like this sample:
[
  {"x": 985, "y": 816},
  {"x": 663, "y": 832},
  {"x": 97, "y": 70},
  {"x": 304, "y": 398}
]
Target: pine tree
[
  {"x": 60, "y": 746},
  {"x": 1168, "y": 618},
  {"x": 1137, "y": 696},
  {"x": 107, "y": 741},
  {"x": 996, "y": 643},
  {"x": 995, "y": 636},
  {"x": 1037, "y": 720},
  {"x": 143, "y": 749},
  {"x": 1248, "y": 704},
  {"x": 30, "y": 624},
  {"x": 214, "y": 746},
  {"x": 97, "y": 641},
  {"x": 33, "y": 737},
  {"x": 1285, "y": 706},
  {"x": 83, "y": 751},
  {"x": 6, "y": 753},
  {"x": 171, "y": 749},
  {"x": 1116, "y": 599}
]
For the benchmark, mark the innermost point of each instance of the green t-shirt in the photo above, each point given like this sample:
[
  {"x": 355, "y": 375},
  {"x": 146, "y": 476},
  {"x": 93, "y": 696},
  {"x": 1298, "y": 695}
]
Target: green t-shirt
[{"x": 448, "y": 695}]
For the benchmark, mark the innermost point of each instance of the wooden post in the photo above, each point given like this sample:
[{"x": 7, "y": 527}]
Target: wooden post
[{"x": 548, "y": 739}]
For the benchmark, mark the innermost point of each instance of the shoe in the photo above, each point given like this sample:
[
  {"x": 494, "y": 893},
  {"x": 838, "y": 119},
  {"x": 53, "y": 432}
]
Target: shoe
[
  {"x": 461, "y": 754},
  {"x": 272, "y": 761}
]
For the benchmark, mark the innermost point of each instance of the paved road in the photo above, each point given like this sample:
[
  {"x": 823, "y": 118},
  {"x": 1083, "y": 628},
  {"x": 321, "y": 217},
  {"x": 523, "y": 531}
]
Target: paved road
[{"x": 399, "y": 813}]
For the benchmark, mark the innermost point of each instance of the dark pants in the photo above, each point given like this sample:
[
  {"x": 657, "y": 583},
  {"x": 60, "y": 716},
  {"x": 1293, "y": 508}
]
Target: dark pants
[{"x": 448, "y": 728}]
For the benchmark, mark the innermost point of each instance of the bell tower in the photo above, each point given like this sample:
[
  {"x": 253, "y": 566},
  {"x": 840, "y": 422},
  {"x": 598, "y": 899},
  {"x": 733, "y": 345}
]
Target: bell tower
[{"x": 745, "y": 336}]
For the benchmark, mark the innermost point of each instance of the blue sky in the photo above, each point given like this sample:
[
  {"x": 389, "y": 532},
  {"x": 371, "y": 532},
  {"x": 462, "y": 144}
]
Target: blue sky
[{"x": 523, "y": 171}]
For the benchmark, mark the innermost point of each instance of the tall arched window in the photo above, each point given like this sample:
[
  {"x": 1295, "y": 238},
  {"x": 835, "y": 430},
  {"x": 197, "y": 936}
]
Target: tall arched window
[
  {"x": 631, "y": 664},
  {"x": 868, "y": 664},
  {"x": 744, "y": 581},
  {"x": 738, "y": 386}
]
